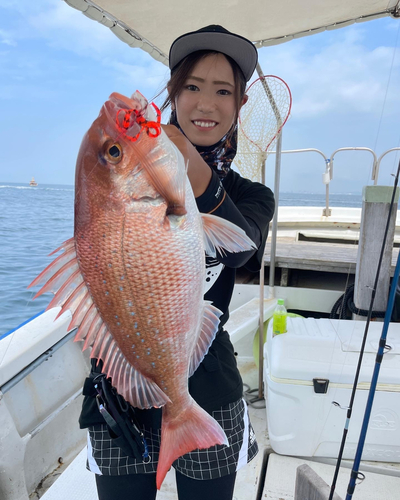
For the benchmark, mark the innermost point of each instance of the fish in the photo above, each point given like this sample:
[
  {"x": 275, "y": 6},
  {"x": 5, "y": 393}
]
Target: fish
[{"x": 133, "y": 274}]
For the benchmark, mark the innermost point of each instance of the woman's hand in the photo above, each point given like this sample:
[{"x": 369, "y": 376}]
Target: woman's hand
[{"x": 199, "y": 172}]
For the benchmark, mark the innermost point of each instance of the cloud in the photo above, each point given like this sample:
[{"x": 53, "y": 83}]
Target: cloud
[
  {"x": 7, "y": 39},
  {"x": 63, "y": 33},
  {"x": 67, "y": 28},
  {"x": 152, "y": 75},
  {"x": 341, "y": 73}
]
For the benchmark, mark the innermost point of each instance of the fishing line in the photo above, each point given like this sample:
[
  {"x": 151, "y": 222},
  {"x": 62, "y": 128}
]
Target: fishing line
[
  {"x": 342, "y": 313},
  {"x": 387, "y": 87},
  {"x": 330, "y": 373},
  {"x": 395, "y": 160},
  {"x": 374, "y": 380},
  {"x": 350, "y": 407}
]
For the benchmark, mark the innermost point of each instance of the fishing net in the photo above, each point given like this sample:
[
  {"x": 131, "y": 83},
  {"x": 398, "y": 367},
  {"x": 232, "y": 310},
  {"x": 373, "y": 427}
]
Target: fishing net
[{"x": 260, "y": 121}]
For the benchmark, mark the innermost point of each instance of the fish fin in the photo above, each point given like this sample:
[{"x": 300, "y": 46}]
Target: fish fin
[
  {"x": 80, "y": 312},
  {"x": 70, "y": 243},
  {"x": 209, "y": 328},
  {"x": 86, "y": 323},
  {"x": 56, "y": 268},
  {"x": 93, "y": 330},
  {"x": 193, "y": 428},
  {"x": 63, "y": 278},
  {"x": 220, "y": 235},
  {"x": 139, "y": 390},
  {"x": 72, "y": 302}
]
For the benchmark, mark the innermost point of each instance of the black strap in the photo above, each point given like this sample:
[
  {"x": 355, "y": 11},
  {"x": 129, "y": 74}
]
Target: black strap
[{"x": 120, "y": 419}]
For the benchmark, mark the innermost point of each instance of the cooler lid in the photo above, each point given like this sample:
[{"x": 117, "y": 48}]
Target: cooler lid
[{"x": 329, "y": 349}]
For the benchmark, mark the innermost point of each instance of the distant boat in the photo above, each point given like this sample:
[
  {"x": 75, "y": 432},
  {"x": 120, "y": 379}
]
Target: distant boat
[{"x": 33, "y": 182}]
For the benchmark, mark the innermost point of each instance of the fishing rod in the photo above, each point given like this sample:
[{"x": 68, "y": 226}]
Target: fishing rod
[
  {"x": 378, "y": 362},
  {"x": 353, "y": 392}
]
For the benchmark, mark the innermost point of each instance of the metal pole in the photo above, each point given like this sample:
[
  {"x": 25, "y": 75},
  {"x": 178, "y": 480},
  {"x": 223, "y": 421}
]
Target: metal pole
[
  {"x": 275, "y": 219},
  {"x": 378, "y": 361},
  {"x": 364, "y": 340},
  {"x": 261, "y": 334},
  {"x": 273, "y": 245},
  {"x": 327, "y": 211},
  {"x": 261, "y": 310},
  {"x": 37, "y": 362},
  {"x": 374, "y": 381}
]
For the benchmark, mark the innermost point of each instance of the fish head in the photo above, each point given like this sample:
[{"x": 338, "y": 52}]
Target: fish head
[{"x": 125, "y": 158}]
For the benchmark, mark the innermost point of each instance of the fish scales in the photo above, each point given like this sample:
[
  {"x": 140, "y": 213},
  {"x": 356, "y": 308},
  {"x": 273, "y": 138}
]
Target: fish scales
[
  {"x": 145, "y": 288},
  {"x": 139, "y": 244}
]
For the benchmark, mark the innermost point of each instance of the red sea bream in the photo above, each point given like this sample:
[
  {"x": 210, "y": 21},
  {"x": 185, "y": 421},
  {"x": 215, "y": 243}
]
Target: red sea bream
[{"x": 133, "y": 274}]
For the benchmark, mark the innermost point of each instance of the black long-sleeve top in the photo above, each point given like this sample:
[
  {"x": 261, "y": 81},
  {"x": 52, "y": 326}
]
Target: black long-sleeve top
[{"x": 249, "y": 205}]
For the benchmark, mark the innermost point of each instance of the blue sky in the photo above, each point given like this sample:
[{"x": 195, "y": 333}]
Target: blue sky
[{"x": 58, "y": 67}]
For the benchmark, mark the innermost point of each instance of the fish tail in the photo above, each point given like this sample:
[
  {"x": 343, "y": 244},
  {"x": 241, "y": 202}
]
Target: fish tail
[{"x": 194, "y": 428}]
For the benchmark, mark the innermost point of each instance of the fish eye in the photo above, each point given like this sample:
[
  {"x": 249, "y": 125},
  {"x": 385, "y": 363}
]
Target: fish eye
[{"x": 113, "y": 152}]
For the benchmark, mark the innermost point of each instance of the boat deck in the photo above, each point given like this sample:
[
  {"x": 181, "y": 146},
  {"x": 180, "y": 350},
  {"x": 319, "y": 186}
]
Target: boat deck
[
  {"x": 316, "y": 256},
  {"x": 281, "y": 477}
]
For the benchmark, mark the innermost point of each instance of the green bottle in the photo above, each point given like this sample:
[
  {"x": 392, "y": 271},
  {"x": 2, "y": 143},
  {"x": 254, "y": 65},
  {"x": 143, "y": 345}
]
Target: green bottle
[{"x": 279, "y": 318}]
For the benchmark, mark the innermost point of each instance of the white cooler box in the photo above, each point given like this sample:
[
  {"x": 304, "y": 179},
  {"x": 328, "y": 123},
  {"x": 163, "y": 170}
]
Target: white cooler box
[{"x": 321, "y": 355}]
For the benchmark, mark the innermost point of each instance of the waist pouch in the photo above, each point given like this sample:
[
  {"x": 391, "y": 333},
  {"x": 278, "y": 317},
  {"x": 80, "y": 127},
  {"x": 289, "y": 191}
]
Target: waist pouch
[{"x": 120, "y": 419}]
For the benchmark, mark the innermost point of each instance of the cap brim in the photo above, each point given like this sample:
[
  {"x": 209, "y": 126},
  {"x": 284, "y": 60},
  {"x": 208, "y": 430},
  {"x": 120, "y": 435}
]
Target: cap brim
[{"x": 241, "y": 50}]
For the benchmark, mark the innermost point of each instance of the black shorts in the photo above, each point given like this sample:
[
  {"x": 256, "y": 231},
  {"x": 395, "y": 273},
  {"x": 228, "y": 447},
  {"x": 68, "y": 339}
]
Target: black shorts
[{"x": 107, "y": 459}]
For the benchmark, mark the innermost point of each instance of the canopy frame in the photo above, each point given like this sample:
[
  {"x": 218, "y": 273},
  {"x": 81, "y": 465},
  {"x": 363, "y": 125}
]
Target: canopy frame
[{"x": 134, "y": 39}]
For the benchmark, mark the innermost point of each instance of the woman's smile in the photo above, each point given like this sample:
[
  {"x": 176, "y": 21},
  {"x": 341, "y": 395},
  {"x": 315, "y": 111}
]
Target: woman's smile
[{"x": 204, "y": 124}]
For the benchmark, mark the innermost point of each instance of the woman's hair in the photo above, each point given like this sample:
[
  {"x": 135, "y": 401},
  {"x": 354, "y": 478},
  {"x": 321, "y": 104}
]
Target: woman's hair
[{"x": 180, "y": 74}]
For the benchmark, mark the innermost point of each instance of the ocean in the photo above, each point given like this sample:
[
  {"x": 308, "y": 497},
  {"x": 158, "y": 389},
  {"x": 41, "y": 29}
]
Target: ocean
[{"x": 34, "y": 221}]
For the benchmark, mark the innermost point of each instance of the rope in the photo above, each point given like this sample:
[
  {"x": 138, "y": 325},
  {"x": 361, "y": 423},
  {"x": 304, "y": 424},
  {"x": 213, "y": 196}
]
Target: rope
[{"x": 344, "y": 307}]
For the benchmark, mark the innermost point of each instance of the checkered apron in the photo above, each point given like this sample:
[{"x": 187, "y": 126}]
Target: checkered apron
[{"x": 107, "y": 459}]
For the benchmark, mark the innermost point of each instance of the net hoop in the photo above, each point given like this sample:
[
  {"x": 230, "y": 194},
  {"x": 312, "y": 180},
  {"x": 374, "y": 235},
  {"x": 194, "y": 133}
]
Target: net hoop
[{"x": 286, "y": 114}]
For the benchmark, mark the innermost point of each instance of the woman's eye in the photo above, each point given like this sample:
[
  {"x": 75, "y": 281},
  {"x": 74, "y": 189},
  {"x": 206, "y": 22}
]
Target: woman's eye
[
  {"x": 224, "y": 92},
  {"x": 192, "y": 88}
]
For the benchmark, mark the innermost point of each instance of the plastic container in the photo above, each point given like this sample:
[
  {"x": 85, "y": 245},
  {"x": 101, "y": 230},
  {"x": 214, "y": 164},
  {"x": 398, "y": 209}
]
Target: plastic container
[
  {"x": 314, "y": 364},
  {"x": 279, "y": 318}
]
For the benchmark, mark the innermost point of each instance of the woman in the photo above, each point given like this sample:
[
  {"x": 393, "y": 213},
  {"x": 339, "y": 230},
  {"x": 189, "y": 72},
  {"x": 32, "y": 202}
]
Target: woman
[{"x": 209, "y": 71}]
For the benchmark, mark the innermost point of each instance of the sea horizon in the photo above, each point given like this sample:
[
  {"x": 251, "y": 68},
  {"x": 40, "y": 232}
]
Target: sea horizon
[{"x": 4, "y": 184}]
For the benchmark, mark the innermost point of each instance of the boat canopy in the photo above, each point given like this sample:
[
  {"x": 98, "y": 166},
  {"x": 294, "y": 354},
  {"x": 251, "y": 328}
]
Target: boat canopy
[{"x": 154, "y": 24}]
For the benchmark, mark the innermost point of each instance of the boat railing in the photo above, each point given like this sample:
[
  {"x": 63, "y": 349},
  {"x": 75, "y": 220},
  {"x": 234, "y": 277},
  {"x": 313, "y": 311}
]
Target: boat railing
[
  {"x": 330, "y": 167},
  {"x": 327, "y": 176},
  {"x": 326, "y": 179},
  {"x": 36, "y": 362},
  {"x": 378, "y": 164}
]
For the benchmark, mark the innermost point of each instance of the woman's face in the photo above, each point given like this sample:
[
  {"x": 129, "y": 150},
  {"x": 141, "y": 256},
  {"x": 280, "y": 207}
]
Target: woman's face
[{"x": 205, "y": 107}]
